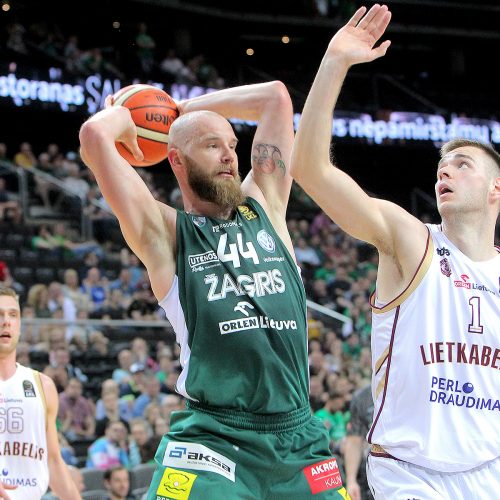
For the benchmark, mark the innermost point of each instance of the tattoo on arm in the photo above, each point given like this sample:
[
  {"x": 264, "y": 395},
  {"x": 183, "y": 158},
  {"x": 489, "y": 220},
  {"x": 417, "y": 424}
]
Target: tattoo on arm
[{"x": 267, "y": 158}]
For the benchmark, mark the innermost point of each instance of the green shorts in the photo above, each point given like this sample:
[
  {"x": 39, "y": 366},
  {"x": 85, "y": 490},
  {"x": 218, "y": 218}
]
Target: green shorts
[{"x": 213, "y": 455}]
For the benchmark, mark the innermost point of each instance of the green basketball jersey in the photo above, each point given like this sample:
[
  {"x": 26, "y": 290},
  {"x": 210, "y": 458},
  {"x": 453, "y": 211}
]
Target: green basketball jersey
[{"x": 238, "y": 308}]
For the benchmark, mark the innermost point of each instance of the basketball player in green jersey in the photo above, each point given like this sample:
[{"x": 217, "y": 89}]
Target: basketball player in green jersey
[{"x": 225, "y": 274}]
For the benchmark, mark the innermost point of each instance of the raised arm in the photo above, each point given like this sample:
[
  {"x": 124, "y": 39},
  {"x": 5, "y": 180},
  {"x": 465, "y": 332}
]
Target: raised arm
[
  {"x": 269, "y": 104},
  {"x": 147, "y": 225},
  {"x": 384, "y": 224}
]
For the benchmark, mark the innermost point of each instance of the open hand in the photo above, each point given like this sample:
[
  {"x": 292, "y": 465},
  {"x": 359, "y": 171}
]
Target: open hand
[{"x": 355, "y": 41}]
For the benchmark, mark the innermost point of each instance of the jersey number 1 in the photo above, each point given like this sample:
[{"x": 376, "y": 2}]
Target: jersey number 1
[{"x": 475, "y": 324}]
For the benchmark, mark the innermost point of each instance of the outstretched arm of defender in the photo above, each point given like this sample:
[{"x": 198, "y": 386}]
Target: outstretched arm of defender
[{"x": 366, "y": 218}]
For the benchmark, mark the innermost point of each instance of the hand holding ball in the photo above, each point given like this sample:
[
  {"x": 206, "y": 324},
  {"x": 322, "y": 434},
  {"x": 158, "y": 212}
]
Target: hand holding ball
[{"x": 153, "y": 111}]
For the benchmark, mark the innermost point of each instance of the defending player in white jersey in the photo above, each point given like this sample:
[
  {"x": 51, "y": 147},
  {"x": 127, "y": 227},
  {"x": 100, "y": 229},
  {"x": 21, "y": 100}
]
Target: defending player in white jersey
[
  {"x": 29, "y": 448},
  {"x": 436, "y": 322}
]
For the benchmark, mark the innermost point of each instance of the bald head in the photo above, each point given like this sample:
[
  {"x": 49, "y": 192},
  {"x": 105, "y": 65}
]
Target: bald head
[{"x": 190, "y": 125}]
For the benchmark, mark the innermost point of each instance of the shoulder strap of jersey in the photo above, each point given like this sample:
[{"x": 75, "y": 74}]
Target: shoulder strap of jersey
[{"x": 38, "y": 381}]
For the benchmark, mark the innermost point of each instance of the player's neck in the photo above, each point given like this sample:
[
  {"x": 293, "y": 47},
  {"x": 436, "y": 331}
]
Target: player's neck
[
  {"x": 7, "y": 366},
  {"x": 474, "y": 239},
  {"x": 208, "y": 209}
]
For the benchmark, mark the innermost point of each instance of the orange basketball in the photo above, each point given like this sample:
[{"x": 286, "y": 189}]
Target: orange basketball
[{"x": 153, "y": 111}]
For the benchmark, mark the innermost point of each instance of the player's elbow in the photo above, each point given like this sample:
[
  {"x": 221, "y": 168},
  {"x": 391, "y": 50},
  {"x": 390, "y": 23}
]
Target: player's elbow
[
  {"x": 90, "y": 135},
  {"x": 281, "y": 96}
]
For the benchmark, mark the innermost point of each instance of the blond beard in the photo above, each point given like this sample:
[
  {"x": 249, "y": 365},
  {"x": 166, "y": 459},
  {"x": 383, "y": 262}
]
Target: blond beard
[{"x": 224, "y": 192}]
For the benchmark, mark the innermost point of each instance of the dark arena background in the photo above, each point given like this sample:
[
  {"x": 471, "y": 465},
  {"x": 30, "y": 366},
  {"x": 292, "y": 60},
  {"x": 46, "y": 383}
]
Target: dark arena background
[{"x": 90, "y": 320}]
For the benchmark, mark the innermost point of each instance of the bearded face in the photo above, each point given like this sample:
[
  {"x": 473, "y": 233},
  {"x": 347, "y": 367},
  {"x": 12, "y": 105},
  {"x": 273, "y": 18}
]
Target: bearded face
[{"x": 210, "y": 186}]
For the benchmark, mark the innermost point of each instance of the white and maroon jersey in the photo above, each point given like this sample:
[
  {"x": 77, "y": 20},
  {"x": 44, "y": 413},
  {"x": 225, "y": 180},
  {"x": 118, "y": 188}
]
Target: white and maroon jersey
[
  {"x": 23, "y": 435},
  {"x": 436, "y": 362}
]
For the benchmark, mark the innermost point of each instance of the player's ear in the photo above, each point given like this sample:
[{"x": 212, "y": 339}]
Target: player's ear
[
  {"x": 175, "y": 157},
  {"x": 496, "y": 190}
]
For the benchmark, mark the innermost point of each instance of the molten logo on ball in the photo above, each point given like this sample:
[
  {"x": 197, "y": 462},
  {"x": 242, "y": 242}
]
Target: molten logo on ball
[{"x": 152, "y": 111}]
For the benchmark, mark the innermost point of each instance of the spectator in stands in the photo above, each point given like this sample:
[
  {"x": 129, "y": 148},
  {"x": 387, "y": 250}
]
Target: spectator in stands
[
  {"x": 123, "y": 283},
  {"x": 335, "y": 419},
  {"x": 8, "y": 281},
  {"x": 72, "y": 55},
  {"x": 38, "y": 298},
  {"x": 43, "y": 187},
  {"x": 111, "y": 449},
  {"x": 117, "y": 484},
  {"x": 67, "y": 451},
  {"x": 76, "y": 413},
  {"x": 98, "y": 346},
  {"x": 174, "y": 69},
  {"x": 306, "y": 254},
  {"x": 25, "y": 157},
  {"x": 95, "y": 287},
  {"x": 122, "y": 374},
  {"x": 111, "y": 409},
  {"x": 10, "y": 209},
  {"x": 143, "y": 305},
  {"x": 57, "y": 300},
  {"x": 165, "y": 366},
  {"x": 169, "y": 404},
  {"x": 60, "y": 234},
  {"x": 44, "y": 241},
  {"x": 140, "y": 434},
  {"x": 60, "y": 358},
  {"x": 90, "y": 259},
  {"x": 71, "y": 289},
  {"x": 152, "y": 412},
  {"x": 356, "y": 446},
  {"x": 317, "y": 394},
  {"x": 77, "y": 477},
  {"x": 59, "y": 376},
  {"x": 140, "y": 353},
  {"x": 125, "y": 406},
  {"x": 160, "y": 428},
  {"x": 3, "y": 152},
  {"x": 15, "y": 40},
  {"x": 113, "y": 307},
  {"x": 171, "y": 381},
  {"x": 341, "y": 284},
  {"x": 93, "y": 62},
  {"x": 77, "y": 189},
  {"x": 150, "y": 394},
  {"x": 136, "y": 384},
  {"x": 145, "y": 46},
  {"x": 131, "y": 262}
]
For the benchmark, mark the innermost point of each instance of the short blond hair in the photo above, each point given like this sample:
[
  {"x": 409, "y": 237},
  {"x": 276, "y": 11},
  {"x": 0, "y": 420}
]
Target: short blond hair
[{"x": 9, "y": 292}]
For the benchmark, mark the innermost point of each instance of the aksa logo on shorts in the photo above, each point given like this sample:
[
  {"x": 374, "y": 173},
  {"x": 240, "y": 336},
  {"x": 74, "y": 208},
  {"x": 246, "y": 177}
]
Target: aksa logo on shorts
[
  {"x": 175, "y": 484},
  {"x": 198, "y": 457},
  {"x": 323, "y": 476}
]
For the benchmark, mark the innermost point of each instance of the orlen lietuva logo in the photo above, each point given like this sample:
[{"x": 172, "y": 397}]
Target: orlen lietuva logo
[
  {"x": 266, "y": 241},
  {"x": 465, "y": 282}
]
